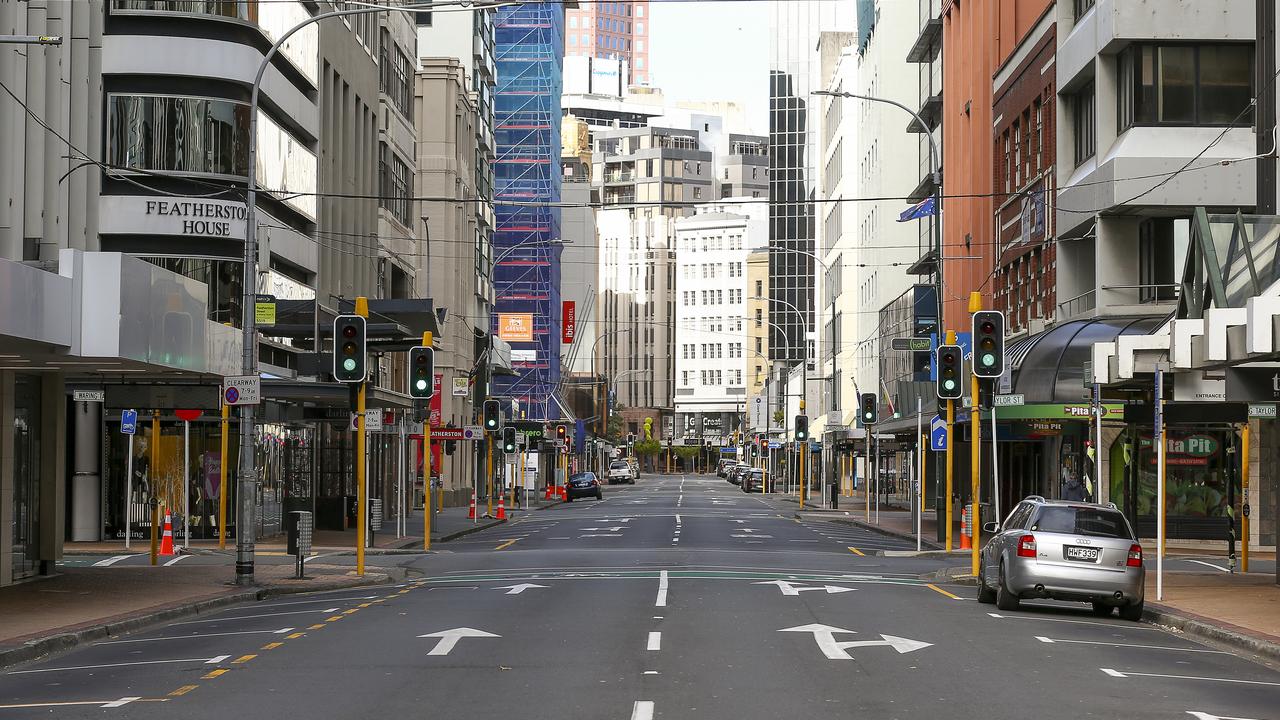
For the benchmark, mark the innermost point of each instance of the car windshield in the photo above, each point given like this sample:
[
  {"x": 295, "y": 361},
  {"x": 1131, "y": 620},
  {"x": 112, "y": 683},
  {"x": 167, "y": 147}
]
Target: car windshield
[
  {"x": 1081, "y": 521},
  {"x": 620, "y": 465},
  {"x": 582, "y": 476}
]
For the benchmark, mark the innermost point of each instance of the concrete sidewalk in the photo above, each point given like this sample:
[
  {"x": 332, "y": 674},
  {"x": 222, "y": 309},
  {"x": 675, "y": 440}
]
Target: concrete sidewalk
[{"x": 79, "y": 605}]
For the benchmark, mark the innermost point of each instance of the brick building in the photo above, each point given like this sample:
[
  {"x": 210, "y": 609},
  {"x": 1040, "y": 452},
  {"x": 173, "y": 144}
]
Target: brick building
[{"x": 1024, "y": 142}]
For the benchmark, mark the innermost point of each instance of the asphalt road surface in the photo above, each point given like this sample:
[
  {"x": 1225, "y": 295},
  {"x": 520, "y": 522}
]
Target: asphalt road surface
[{"x": 674, "y": 598}]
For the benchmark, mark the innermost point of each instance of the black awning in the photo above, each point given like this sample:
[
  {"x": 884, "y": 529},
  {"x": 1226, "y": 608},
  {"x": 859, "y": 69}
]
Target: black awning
[
  {"x": 1052, "y": 367},
  {"x": 330, "y": 394}
]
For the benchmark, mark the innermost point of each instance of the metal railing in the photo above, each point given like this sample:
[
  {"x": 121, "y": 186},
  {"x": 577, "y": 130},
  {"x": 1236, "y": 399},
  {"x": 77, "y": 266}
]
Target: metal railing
[
  {"x": 1150, "y": 294},
  {"x": 1078, "y": 305},
  {"x": 1082, "y": 7}
]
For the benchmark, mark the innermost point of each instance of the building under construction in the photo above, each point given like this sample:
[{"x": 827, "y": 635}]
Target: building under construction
[{"x": 530, "y": 48}]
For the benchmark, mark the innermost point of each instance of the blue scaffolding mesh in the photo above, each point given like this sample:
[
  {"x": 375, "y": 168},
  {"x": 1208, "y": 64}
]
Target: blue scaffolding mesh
[{"x": 530, "y": 48}]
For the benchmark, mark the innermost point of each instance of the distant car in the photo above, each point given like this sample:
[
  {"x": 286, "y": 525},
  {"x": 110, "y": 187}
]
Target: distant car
[
  {"x": 737, "y": 472},
  {"x": 584, "y": 484},
  {"x": 620, "y": 472},
  {"x": 722, "y": 468},
  {"x": 752, "y": 480},
  {"x": 1066, "y": 551}
]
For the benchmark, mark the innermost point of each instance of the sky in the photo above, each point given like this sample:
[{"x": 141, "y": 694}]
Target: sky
[{"x": 712, "y": 50}]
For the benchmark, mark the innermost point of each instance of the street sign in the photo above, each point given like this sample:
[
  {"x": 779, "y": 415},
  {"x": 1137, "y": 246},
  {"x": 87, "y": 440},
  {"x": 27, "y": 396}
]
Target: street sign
[
  {"x": 937, "y": 433},
  {"x": 472, "y": 432},
  {"x": 89, "y": 395},
  {"x": 912, "y": 344},
  {"x": 129, "y": 422},
  {"x": 824, "y": 635},
  {"x": 241, "y": 390},
  {"x": 1008, "y": 400},
  {"x": 1257, "y": 410},
  {"x": 372, "y": 420}
]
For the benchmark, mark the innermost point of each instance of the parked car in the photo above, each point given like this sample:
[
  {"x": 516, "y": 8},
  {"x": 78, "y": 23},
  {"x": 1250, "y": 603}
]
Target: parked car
[
  {"x": 620, "y": 472},
  {"x": 1066, "y": 551},
  {"x": 752, "y": 480},
  {"x": 584, "y": 484},
  {"x": 736, "y": 472},
  {"x": 722, "y": 468}
]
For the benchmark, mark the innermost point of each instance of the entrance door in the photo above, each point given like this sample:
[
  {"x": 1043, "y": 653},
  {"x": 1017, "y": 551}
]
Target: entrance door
[{"x": 26, "y": 477}]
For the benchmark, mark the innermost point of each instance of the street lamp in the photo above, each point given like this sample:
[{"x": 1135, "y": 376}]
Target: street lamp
[
  {"x": 247, "y": 470},
  {"x": 804, "y": 349},
  {"x": 935, "y": 169}
]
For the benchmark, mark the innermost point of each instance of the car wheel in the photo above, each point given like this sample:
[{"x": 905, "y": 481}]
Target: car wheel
[
  {"x": 1102, "y": 609},
  {"x": 985, "y": 594},
  {"x": 1005, "y": 600},
  {"x": 1132, "y": 612}
]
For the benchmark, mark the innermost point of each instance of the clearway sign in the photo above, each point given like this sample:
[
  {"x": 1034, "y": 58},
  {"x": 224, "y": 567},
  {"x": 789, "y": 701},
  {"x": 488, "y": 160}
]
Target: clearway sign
[
  {"x": 242, "y": 390},
  {"x": 937, "y": 433}
]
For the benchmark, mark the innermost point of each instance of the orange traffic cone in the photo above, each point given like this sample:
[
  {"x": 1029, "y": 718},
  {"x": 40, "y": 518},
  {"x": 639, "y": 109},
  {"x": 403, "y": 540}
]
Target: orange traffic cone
[
  {"x": 471, "y": 511},
  {"x": 550, "y": 490},
  {"x": 502, "y": 508},
  {"x": 166, "y": 541},
  {"x": 965, "y": 533}
]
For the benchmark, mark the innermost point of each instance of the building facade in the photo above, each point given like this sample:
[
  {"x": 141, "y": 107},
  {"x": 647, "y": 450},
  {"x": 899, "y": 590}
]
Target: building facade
[{"x": 615, "y": 30}]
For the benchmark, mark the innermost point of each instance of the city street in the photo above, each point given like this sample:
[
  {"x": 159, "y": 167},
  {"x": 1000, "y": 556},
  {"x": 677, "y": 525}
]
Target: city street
[{"x": 679, "y": 597}]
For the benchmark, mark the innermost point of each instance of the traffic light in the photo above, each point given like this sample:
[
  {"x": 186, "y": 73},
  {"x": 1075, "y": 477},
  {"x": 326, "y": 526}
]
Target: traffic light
[
  {"x": 349, "y": 349},
  {"x": 508, "y": 439},
  {"x": 988, "y": 343},
  {"x": 950, "y": 372},
  {"x": 870, "y": 408},
  {"x": 802, "y": 428},
  {"x": 492, "y": 416},
  {"x": 562, "y": 433},
  {"x": 631, "y": 438},
  {"x": 421, "y": 412},
  {"x": 422, "y": 366}
]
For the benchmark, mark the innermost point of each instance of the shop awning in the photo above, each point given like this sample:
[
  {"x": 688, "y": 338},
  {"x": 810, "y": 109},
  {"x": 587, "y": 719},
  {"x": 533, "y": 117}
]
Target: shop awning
[{"x": 1049, "y": 367}]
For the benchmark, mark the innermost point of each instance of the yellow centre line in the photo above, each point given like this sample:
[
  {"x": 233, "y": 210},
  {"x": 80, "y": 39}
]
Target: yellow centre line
[
  {"x": 272, "y": 646},
  {"x": 243, "y": 659},
  {"x": 295, "y": 636},
  {"x": 214, "y": 674},
  {"x": 506, "y": 544},
  {"x": 351, "y": 611},
  {"x": 183, "y": 690},
  {"x": 335, "y": 617},
  {"x": 365, "y": 605},
  {"x": 857, "y": 552},
  {"x": 317, "y": 626},
  {"x": 937, "y": 589}
]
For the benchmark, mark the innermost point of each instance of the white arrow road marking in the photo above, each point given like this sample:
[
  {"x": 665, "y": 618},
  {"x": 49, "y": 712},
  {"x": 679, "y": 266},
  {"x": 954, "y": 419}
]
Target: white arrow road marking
[
  {"x": 790, "y": 588},
  {"x": 1126, "y": 674},
  {"x": 207, "y": 661},
  {"x": 517, "y": 589},
  {"x": 113, "y": 560},
  {"x": 121, "y": 702},
  {"x": 1125, "y": 626},
  {"x": 1208, "y": 716},
  {"x": 824, "y": 635},
  {"x": 1209, "y": 564},
  {"x": 1043, "y": 639},
  {"x": 450, "y": 638},
  {"x": 642, "y": 710},
  {"x": 177, "y": 560}
]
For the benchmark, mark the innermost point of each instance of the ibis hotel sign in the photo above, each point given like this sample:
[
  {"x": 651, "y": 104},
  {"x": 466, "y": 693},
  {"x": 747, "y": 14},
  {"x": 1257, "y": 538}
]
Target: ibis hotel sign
[{"x": 173, "y": 216}]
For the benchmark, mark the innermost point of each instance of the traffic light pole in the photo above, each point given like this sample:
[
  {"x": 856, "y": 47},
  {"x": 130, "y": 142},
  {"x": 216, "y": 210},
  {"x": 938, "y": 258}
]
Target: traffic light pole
[
  {"x": 951, "y": 443},
  {"x": 362, "y": 492},
  {"x": 427, "y": 341}
]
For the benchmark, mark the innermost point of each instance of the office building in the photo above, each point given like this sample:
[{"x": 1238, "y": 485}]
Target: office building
[{"x": 615, "y": 30}]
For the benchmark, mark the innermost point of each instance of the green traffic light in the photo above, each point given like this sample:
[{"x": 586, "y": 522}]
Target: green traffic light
[
  {"x": 349, "y": 364},
  {"x": 422, "y": 384},
  {"x": 949, "y": 384},
  {"x": 988, "y": 359}
]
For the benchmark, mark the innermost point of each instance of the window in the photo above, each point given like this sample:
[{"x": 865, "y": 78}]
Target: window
[
  {"x": 1186, "y": 85},
  {"x": 1039, "y": 113},
  {"x": 639, "y": 28},
  {"x": 573, "y": 21},
  {"x": 1155, "y": 259},
  {"x": 639, "y": 11},
  {"x": 684, "y": 377},
  {"x": 1008, "y": 168},
  {"x": 1082, "y": 7},
  {"x": 759, "y": 289},
  {"x": 396, "y": 75},
  {"x": 1082, "y": 115},
  {"x": 573, "y": 39},
  {"x": 396, "y": 184},
  {"x": 1017, "y": 156}
]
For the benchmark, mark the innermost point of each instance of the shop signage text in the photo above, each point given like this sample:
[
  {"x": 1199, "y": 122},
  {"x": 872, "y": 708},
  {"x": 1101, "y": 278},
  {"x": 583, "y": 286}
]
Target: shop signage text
[{"x": 200, "y": 218}]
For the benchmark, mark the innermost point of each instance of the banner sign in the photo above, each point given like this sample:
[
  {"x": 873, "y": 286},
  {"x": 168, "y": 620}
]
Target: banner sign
[
  {"x": 568, "y": 321},
  {"x": 515, "y": 327}
]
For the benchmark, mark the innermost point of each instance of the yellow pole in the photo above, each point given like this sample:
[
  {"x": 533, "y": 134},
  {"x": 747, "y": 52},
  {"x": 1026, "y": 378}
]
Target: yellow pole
[
  {"x": 222, "y": 479},
  {"x": 488, "y": 484},
  {"x": 362, "y": 497},
  {"x": 427, "y": 341},
  {"x": 975, "y": 451},
  {"x": 1244, "y": 497}
]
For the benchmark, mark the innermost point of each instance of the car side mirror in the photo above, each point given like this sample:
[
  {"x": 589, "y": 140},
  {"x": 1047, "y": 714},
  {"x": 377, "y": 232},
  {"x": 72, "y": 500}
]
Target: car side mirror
[{"x": 991, "y": 528}]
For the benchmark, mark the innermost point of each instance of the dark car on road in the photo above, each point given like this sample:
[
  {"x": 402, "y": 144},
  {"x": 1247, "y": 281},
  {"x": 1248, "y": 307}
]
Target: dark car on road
[
  {"x": 752, "y": 479},
  {"x": 583, "y": 485},
  {"x": 736, "y": 472}
]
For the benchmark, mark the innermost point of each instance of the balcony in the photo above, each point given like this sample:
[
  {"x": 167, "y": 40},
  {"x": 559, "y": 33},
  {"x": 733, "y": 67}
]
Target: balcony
[
  {"x": 619, "y": 198},
  {"x": 1078, "y": 306},
  {"x": 929, "y": 41},
  {"x": 619, "y": 176}
]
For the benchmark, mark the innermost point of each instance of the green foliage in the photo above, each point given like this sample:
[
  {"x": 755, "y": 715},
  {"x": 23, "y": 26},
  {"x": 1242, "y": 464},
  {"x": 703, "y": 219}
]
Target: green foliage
[
  {"x": 617, "y": 429},
  {"x": 646, "y": 447},
  {"x": 686, "y": 452},
  {"x": 778, "y": 417}
]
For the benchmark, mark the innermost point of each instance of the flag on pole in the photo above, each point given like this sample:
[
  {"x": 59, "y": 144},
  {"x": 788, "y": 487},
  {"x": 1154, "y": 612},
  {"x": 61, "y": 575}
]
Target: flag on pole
[{"x": 924, "y": 208}]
